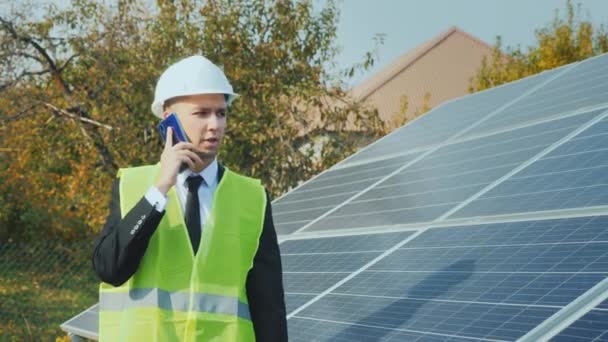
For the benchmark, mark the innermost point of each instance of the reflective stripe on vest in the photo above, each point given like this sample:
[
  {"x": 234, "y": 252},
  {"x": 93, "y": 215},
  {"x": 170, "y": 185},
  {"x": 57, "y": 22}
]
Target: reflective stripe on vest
[
  {"x": 174, "y": 301},
  {"x": 176, "y": 295}
]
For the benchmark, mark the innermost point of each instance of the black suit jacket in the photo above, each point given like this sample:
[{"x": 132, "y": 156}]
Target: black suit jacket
[{"x": 118, "y": 253}]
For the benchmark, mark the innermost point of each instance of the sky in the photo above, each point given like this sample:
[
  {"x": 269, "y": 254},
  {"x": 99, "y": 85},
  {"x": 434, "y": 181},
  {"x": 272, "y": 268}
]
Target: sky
[{"x": 408, "y": 23}]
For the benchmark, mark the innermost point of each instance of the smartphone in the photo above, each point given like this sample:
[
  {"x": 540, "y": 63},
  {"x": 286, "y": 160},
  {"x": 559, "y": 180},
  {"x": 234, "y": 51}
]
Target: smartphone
[{"x": 178, "y": 131}]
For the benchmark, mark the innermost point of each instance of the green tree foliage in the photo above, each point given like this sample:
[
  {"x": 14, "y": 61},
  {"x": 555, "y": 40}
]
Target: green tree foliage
[
  {"x": 566, "y": 40},
  {"x": 76, "y": 86},
  {"x": 401, "y": 117}
]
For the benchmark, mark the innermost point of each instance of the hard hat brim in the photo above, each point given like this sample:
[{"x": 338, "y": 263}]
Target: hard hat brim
[{"x": 157, "y": 106}]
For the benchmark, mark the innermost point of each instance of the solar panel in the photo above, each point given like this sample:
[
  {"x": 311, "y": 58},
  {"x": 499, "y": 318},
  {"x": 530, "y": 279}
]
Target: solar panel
[
  {"x": 305, "y": 330},
  {"x": 294, "y": 301},
  {"x": 475, "y": 321},
  {"x": 484, "y": 219},
  {"x": 313, "y": 265},
  {"x": 583, "y": 85},
  {"x": 437, "y": 183},
  {"x": 323, "y": 193},
  {"x": 494, "y": 281},
  {"x": 591, "y": 327},
  {"x": 451, "y": 118},
  {"x": 574, "y": 175},
  {"x": 85, "y": 324}
]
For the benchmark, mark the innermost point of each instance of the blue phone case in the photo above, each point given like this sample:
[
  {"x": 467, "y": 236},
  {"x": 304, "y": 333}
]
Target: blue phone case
[{"x": 178, "y": 131}]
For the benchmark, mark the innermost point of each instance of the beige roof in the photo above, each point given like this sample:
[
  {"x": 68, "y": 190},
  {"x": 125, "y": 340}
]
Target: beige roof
[{"x": 441, "y": 67}]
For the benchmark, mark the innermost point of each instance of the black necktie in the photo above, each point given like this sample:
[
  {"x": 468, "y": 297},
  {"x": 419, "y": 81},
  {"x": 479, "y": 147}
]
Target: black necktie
[{"x": 193, "y": 211}]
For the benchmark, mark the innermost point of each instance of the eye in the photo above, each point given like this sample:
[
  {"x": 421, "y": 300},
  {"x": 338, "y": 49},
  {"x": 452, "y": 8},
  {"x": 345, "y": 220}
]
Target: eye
[{"x": 221, "y": 113}]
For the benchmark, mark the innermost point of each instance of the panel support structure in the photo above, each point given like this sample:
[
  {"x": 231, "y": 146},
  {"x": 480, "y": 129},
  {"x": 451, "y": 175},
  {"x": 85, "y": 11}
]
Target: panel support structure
[{"x": 568, "y": 314}]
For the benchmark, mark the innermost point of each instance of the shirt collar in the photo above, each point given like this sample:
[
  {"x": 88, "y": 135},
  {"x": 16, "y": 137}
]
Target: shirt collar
[{"x": 209, "y": 174}]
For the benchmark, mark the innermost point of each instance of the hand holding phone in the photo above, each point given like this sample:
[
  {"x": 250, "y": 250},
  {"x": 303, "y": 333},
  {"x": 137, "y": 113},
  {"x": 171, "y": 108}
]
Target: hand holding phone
[
  {"x": 178, "y": 131},
  {"x": 174, "y": 159}
]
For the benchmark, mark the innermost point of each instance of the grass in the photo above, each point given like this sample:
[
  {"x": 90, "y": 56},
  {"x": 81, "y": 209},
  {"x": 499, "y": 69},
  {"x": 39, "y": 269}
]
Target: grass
[{"x": 39, "y": 293}]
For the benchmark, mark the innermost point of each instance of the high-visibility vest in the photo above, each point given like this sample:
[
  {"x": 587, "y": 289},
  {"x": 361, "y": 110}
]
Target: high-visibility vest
[{"x": 175, "y": 295}]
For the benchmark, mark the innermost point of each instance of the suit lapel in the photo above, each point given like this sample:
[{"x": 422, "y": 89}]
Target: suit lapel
[{"x": 220, "y": 172}]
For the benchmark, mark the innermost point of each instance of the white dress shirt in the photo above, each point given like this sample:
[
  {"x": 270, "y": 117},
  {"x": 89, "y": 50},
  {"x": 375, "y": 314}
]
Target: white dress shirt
[{"x": 205, "y": 191}]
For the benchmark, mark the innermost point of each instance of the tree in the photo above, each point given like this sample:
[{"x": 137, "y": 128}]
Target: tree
[
  {"x": 400, "y": 117},
  {"x": 77, "y": 83},
  {"x": 565, "y": 40}
]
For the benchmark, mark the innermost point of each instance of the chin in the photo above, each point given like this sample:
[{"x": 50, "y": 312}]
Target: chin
[{"x": 206, "y": 155}]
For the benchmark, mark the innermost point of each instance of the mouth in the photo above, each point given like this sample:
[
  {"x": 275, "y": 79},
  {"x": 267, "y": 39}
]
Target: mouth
[{"x": 211, "y": 141}]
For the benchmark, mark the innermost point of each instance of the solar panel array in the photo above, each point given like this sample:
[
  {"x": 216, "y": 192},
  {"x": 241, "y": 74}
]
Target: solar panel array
[
  {"x": 484, "y": 219},
  {"x": 490, "y": 212}
]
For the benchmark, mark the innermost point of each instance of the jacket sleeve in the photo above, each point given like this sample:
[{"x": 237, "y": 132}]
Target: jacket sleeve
[
  {"x": 265, "y": 286},
  {"x": 123, "y": 241}
]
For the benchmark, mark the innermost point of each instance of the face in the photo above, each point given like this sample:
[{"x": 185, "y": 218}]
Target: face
[{"x": 203, "y": 117}]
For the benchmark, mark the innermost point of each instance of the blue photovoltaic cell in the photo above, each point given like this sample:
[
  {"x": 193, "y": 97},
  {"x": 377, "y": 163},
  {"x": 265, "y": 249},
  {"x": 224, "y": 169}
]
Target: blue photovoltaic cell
[
  {"x": 593, "y": 326},
  {"x": 448, "y": 119},
  {"x": 306, "y": 330},
  {"x": 353, "y": 243},
  {"x": 575, "y": 175},
  {"x": 584, "y": 85},
  {"x": 472, "y": 285},
  {"x": 440, "y": 181},
  {"x": 331, "y": 188},
  {"x": 572, "y": 230},
  {"x": 494, "y": 281},
  {"x": 424, "y": 316},
  {"x": 540, "y": 262},
  {"x": 288, "y": 228},
  {"x": 310, "y": 266},
  {"x": 311, "y": 282},
  {"x": 294, "y": 301},
  {"x": 347, "y": 262}
]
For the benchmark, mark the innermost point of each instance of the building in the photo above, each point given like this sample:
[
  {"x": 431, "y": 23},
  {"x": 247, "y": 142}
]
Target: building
[{"x": 435, "y": 71}]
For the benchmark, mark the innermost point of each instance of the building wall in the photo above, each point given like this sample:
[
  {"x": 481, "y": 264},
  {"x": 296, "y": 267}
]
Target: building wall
[{"x": 444, "y": 72}]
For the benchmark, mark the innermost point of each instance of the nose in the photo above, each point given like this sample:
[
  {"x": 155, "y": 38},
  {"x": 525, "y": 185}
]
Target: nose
[{"x": 213, "y": 122}]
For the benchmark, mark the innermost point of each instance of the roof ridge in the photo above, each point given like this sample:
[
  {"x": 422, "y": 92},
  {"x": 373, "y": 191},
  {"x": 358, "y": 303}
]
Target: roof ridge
[
  {"x": 429, "y": 45},
  {"x": 473, "y": 38}
]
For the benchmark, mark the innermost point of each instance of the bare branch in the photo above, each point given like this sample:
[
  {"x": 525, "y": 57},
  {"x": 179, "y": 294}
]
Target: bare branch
[
  {"x": 86, "y": 134},
  {"x": 68, "y": 62},
  {"x": 45, "y": 56},
  {"x": 76, "y": 117},
  {"x": 28, "y": 55}
]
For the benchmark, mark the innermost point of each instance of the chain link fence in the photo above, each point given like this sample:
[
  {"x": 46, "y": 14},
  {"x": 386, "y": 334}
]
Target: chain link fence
[{"x": 42, "y": 284}]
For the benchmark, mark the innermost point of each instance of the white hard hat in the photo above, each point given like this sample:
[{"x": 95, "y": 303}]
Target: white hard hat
[{"x": 191, "y": 76}]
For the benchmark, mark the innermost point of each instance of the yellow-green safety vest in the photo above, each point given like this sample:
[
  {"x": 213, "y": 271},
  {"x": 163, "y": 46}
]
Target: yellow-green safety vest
[{"x": 175, "y": 295}]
